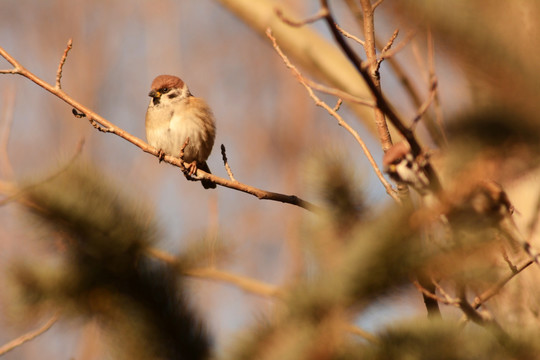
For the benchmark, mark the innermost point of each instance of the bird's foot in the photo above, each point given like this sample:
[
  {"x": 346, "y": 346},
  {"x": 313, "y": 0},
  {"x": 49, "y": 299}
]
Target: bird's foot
[
  {"x": 161, "y": 155},
  {"x": 192, "y": 168}
]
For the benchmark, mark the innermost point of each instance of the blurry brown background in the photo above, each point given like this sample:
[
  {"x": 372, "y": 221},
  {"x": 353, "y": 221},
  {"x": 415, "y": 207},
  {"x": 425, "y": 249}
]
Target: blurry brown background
[{"x": 270, "y": 127}]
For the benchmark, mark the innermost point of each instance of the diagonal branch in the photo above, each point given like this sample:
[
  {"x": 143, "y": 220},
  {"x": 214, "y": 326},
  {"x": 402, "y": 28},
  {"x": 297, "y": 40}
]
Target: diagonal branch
[
  {"x": 489, "y": 293},
  {"x": 28, "y": 336},
  {"x": 321, "y": 14},
  {"x": 380, "y": 100},
  {"x": 104, "y": 125},
  {"x": 333, "y": 112},
  {"x": 349, "y": 35}
]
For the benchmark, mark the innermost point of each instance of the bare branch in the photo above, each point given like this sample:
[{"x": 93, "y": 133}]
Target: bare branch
[
  {"x": 388, "y": 53},
  {"x": 332, "y": 112},
  {"x": 17, "y": 68},
  {"x": 444, "y": 299},
  {"x": 381, "y": 101},
  {"x": 362, "y": 333},
  {"x": 338, "y": 104},
  {"x": 10, "y": 71},
  {"x": 488, "y": 294},
  {"x": 390, "y": 42},
  {"x": 422, "y": 110},
  {"x": 104, "y": 125},
  {"x": 61, "y": 64},
  {"x": 339, "y": 93},
  {"x": 28, "y": 336},
  {"x": 350, "y": 36},
  {"x": 511, "y": 266},
  {"x": 321, "y": 14}
]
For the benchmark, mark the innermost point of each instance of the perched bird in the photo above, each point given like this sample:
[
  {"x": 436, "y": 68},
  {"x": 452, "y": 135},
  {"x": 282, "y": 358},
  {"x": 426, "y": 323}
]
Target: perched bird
[
  {"x": 400, "y": 164},
  {"x": 173, "y": 116}
]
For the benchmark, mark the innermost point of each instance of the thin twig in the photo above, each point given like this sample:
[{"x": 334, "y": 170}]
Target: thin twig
[
  {"x": 349, "y": 35},
  {"x": 445, "y": 299},
  {"x": 388, "y": 53},
  {"x": 226, "y": 163},
  {"x": 338, "y": 104},
  {"x": 390, "y": 42},
  {"x": 321, "y": 14},
  {"x": 332, "y": 112},
  {"x": 511, "y": 266},
  {"x": 10, "y": 71},
  {"x": 381, "y": 100},
  {"x": 402, "y": 76},
  {"x": 494, "y": 290},
  {"x": 471, "y": 312},
  {"x": 422, "y": 110},
  {"x": 339, "y": 93},
  {"x": 353, "y": 329},
  {"x": 28, "y": 336},
  {"x": 104, "y": 125},
  {"x": 61, "y": 64}
]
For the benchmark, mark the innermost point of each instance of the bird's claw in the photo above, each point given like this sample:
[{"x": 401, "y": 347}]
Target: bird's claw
[
  {"x": 192, "y": 168},
  {"x": 161, "y": 155}
]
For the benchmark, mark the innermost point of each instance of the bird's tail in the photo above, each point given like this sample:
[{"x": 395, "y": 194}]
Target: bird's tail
[{"x": 207, "y": 184}]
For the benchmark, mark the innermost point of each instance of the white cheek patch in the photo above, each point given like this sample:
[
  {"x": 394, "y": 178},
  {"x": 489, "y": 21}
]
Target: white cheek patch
[{"x": 411, "y": 174}]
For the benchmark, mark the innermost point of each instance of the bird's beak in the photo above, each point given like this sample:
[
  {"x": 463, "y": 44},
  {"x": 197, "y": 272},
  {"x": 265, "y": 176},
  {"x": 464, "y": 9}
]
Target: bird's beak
[{"x": 154, "y": 94}]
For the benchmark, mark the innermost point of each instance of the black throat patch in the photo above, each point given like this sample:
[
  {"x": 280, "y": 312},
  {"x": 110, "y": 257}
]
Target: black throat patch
[{"x": 156, "y": 101}]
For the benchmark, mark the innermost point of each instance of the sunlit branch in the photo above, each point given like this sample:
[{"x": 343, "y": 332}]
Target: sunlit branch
[
  {"x": 332, "y": 112},
  {"x": 104, "y": 125},
  {"x": 28, "y": 336}
]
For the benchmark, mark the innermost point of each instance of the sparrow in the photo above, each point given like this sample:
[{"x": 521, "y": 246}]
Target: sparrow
[
  {"x": 173, "y": 116},
  {"x": 400, "y": 164}
]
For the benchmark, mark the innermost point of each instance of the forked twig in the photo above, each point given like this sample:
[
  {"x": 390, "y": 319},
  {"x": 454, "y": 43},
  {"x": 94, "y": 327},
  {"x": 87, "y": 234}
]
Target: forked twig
[{"x": 332, "y": 112}]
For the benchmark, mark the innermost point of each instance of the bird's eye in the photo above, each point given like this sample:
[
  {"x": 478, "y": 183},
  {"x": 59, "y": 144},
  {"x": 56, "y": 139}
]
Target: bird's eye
[{"x": 164, "y": 90}]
